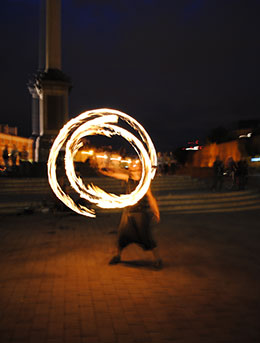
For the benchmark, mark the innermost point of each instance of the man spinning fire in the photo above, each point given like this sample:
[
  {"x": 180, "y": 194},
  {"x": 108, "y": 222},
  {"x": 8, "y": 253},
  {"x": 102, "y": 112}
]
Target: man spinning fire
[{"x": 136, "y": 220}]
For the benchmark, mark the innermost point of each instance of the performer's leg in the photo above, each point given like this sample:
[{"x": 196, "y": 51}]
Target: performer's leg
[
  {"x": 157, "y": 258},
  {"x": 117, "y": 258}
]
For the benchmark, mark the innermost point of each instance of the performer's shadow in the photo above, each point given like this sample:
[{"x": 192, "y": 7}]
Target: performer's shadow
[{"x": 139, "y": 264}]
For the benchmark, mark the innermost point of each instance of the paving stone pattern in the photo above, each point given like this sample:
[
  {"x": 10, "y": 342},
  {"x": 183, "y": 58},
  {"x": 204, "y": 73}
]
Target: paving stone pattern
[{"x": 56, "y": 285}]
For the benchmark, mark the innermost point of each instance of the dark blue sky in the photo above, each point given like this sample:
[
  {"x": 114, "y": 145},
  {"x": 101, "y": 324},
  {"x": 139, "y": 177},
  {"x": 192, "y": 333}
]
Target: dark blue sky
[{"x": 179, "y": 67}]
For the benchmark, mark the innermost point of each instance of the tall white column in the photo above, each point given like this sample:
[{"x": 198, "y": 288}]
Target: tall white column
[
  {"x": 53, "y": 34},
  {"x": 51, "y": 84}
]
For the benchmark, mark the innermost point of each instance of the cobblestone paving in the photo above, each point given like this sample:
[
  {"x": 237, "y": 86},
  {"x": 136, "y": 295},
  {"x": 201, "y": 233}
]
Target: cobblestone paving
[{"x": 56, "y": 284}]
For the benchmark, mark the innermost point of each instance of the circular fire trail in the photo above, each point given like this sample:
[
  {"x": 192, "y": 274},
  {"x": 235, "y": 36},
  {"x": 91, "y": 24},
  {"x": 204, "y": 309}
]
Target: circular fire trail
[{"x": 100, "y": 122}]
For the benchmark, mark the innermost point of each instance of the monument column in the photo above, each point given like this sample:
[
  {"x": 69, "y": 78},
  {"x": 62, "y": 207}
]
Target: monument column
[
  {"x": 53, "y": 35},
  {"x": 51, "y": 84}
]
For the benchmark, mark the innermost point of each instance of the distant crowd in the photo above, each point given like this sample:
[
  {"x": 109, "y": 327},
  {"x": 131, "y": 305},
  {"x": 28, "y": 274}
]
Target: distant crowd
[
  {"x": 14, "y": 159},
  {"x": 167, "y": 164},
  {"x": 236, "y": 172},
  {"x": 233, "y": 174}
]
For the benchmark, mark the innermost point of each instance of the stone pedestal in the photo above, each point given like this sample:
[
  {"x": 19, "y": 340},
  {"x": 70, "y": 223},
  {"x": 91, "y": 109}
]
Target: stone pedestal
[{"x": 53, "y": 89}]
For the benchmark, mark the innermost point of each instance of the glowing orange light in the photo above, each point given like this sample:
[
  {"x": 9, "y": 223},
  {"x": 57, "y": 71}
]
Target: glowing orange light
[
  {"x": 101, "y": 122},
  {"x": 90, "y": 152}
]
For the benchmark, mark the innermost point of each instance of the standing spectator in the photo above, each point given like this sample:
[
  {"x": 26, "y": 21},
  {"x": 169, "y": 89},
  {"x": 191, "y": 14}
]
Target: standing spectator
[
  {"x": 231, "y": 169},
  {"x": 165, "y": 163},
  {"x": 242, "y": 174},
  {"x": 218, "y": 169},
  {"x": 160, "y": 163},
  {"x": 25, "y": 165},
  {"x": 14, "y": 155},
  {"x": 6, "y": 156},
  {"x": 24, "y": 155},
  {"x": 173, "y": 163}
]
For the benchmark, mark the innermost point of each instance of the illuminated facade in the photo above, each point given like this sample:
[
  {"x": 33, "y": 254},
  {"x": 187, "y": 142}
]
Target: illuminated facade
[
  {"x": 20, "y": 142},
  {"x": 237, "y": 149}
]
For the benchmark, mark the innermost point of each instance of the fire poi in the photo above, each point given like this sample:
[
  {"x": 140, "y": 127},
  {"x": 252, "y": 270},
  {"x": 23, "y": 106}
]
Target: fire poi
[{"x": 100, "y": 122}]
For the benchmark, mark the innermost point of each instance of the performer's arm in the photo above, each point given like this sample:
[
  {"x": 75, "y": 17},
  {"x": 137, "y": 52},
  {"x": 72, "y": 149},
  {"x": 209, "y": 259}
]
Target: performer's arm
[
  {"x": 153, "y": 204},
  {"x": 120, "y": 175}
]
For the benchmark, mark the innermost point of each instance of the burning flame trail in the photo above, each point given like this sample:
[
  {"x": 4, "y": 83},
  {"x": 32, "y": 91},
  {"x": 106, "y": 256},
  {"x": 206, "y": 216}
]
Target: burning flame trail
[{"x": 102, "y": 122}]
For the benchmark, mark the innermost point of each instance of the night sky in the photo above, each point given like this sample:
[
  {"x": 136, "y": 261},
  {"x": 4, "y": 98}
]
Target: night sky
[{"x": 179, "y": 67}]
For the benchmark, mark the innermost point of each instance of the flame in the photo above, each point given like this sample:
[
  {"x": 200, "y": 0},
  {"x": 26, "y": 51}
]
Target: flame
[{"x": 102, "y": 122}]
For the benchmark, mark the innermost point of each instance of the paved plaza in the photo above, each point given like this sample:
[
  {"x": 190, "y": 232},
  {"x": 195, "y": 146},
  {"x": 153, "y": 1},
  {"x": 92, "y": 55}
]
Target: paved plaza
[{"x": 56, "y": 284}]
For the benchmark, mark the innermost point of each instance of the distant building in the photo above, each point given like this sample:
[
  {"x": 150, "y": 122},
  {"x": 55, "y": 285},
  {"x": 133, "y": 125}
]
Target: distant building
[
  {"x": 244, "y": 147},
  {"x": 245, "y": 143},
  {"x": 4, "y": 128},
  {"x": 207, "y": 156},
  {"x": 8, "y": 136}
]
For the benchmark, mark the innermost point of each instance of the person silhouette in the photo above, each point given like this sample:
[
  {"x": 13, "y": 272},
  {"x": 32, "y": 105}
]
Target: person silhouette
[
  {"x": 135, "y": 224},
  {"x": 5, "y": 156},
  {"x": 14, "y": 155},
  {"x": 218, "y": 170}
]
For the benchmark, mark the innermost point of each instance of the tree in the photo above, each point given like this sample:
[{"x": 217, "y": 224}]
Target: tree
[{"x": 218, "y": 135}]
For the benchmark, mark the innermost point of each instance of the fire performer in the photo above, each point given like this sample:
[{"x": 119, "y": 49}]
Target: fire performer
[{"x": 136, "y": 220}]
